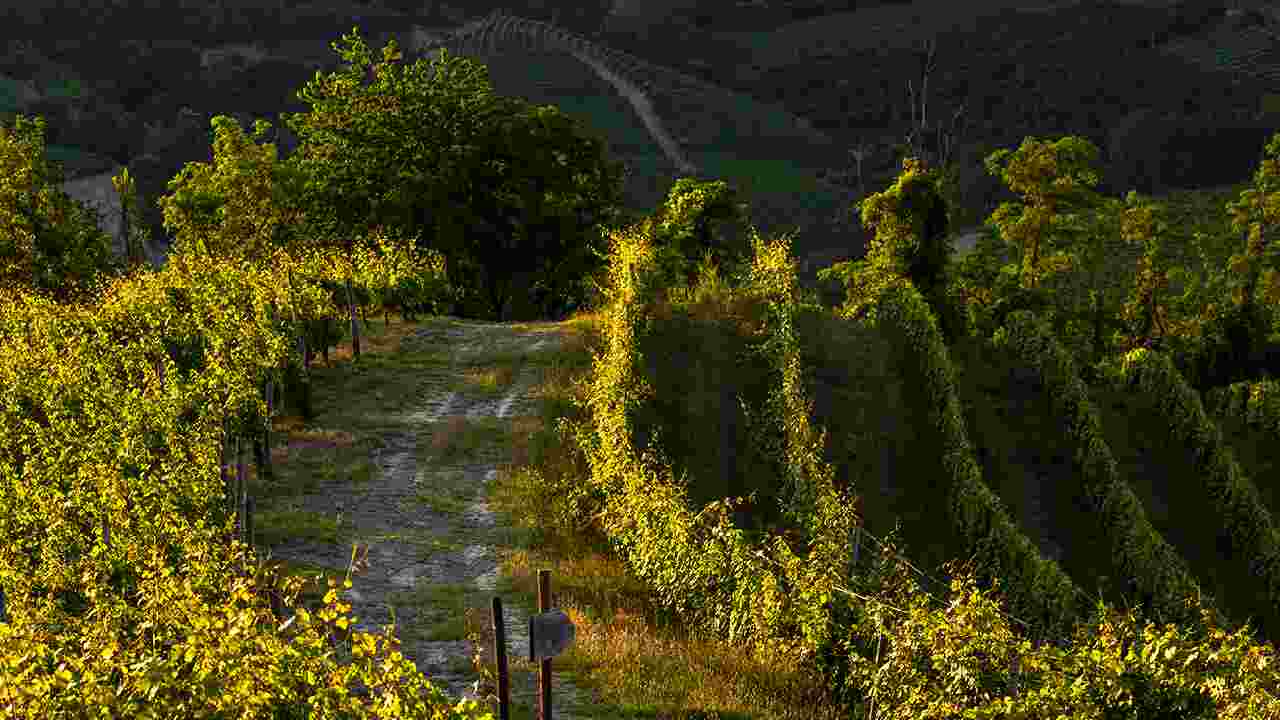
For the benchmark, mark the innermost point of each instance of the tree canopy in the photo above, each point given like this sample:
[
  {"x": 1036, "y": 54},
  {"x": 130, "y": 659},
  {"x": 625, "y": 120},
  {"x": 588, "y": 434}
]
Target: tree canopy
[
  {"x": 493, "y": 183},
  {"x": 50, "y": 244},
  {"x": 427, "y": 152}
]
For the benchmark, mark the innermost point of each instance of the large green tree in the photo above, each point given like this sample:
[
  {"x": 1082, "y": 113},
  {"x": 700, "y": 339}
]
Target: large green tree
[
  {"x": 494, "y": 184},
  {"x": 1050, "y": 232},
  {"x": 50, "y": 244},
  {"x": 1055, "y": 181},
  {"x": 539, "y": 188}
]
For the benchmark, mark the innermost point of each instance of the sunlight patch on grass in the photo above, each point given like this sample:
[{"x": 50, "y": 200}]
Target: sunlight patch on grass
[
  {"x": 639, "y": 661},
  {"x": 490, "y": 380},
  {"x": 443, "y": 501},
  {"x": 272, "y": 527},
  {"x": 444, "y": 606},
  {"x": 457, "y": 438}
]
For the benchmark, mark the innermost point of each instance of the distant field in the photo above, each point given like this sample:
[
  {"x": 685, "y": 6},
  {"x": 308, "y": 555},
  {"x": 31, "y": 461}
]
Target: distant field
[
  {"x": 560, "y": 80},
  {"x": 728, "y": 135},
  {"x": 10, "y": 94},
  {"x": 10, "y": 104},
  {"x": 891, "y": 27},
  {"x": 896, "y": 27}
]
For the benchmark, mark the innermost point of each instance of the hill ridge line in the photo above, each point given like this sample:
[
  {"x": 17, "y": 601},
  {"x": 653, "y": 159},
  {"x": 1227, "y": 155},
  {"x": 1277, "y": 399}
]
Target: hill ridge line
[{"x": 492, "y": 31}]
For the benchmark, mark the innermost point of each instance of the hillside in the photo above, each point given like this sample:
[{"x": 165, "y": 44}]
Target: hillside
[
  {"x": 832, "y": 72},
  {"x": 437, "y": 467},
  {"x": 881, "y": 441}
]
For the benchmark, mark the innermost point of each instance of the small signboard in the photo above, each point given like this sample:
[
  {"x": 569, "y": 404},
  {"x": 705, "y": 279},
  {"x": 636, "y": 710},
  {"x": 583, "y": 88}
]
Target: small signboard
[{"x": 550, "y": 633}]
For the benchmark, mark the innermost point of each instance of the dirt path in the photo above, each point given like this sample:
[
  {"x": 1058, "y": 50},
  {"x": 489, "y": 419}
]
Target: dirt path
[{"x": 418, "y": 505}]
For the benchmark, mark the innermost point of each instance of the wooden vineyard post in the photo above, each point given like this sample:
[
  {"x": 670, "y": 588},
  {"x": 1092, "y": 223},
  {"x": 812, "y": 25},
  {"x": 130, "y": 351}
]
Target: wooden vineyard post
[
  {"x": 4, "y": 619},
  {"x": 238, "y": 489},
  {"x": 271, "y": 411},
  {"x": 550, "y": 633},
  {"x": 544, "y": 668},
  {"x": 223, "y": 466},
  {"x": 500, "y": 657},
  {"x": 246, "y": 502},
  {"x": 305, "y": 377},
  {"x": 857, "y": 542},
  {"x": 241, "y": 491},
  {"x": 248, "y": 520},
  {"x": 262, "y": 445},
  {"x": 264, "y": 463}
]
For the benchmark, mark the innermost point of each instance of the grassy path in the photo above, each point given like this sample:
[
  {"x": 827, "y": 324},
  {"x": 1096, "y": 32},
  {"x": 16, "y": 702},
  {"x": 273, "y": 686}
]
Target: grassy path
[{"x": 390, "y": 478}]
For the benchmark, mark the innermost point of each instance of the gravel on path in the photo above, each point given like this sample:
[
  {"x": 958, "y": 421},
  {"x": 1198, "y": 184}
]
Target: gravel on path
[{"x": 416, "y": 554}]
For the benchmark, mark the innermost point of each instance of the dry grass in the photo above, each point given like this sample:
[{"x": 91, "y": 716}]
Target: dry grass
[
  {"x": 491, "y": 379},
  {"x": 630, "y": 653},
  {"x": 638, "y": 661},
  {"x": 522, "y": 429},
  {"x": 448, "y": 434}
]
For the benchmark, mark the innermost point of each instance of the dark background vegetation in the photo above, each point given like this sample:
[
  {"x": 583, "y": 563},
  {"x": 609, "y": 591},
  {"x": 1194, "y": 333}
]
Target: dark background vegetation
[{"x": 1103, "y": 70}]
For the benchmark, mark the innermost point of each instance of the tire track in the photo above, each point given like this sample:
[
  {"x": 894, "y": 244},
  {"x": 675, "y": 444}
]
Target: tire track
[{"x": 417, "y": 551}]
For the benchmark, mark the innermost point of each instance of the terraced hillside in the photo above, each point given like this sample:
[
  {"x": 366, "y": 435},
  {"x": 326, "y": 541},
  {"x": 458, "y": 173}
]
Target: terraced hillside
[{"x": 661, "y": 122}]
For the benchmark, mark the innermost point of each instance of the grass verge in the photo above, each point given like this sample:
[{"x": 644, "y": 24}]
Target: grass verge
[{"x": 635, "y": 658}]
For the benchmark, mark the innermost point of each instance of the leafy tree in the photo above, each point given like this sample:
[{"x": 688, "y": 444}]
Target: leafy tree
[
  {"x": 429, "y": 148},
  {"x": 1087, "y": 312},
  {"x": 1256, "y": 215},
  {"x": 910, "y": 220},
  {"x": 364, "y": 148},
  {"x": 983, "y": 287},
  {"x": 539, "y": 190},
  {"x": 1226, "y": 315},
  {"x": 50, "y": 244},
  {"x": 243, "y": 204},
  {"x": 1146, "y": 319},
  {"x": 1054, "y": 180}
]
